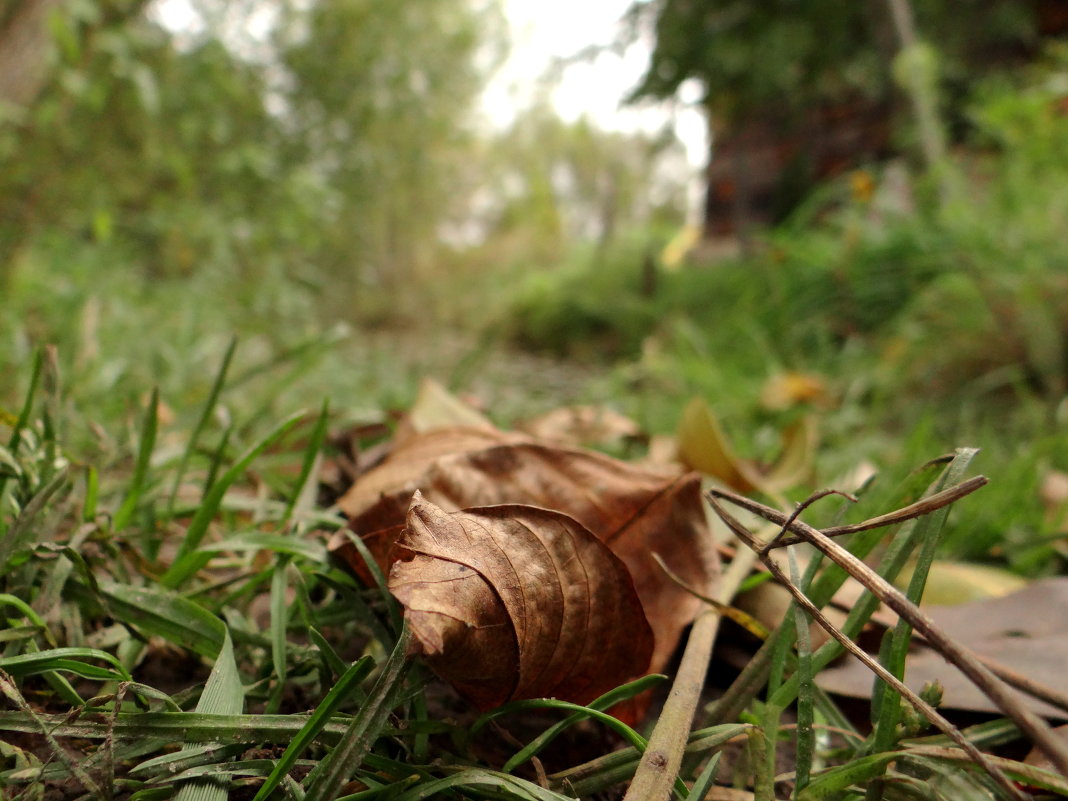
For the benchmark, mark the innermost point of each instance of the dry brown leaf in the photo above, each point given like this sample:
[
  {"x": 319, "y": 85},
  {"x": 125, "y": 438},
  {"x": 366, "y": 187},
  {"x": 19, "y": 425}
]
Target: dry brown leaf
[
  {"x": 379, "y": 499},
  {"x": 575, "y": 426},
  {"x": 1006, "y": 630},
  {"x": 435, "y": 407},
  {"x": 634, "y": 511},
  {"x": 515, "y": 601}
]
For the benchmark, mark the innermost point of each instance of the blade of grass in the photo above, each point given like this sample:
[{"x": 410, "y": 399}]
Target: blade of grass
[
  {"x": 364, "y": 729},
  {"x": 332, "y": 662},
  {"x": 606, "y": 701},
  {"x": 512, "y": 786},
  {"x": 311, "y": 550},
  {"x": 379, "y": 577},
  {"x": 1018, "y": 771},
  {"x": 311, "y": 457},
  {"x": 92, "y": 493},
  {"x": 21, "y": 530},
  {"x": 187, "y": 561},
  {"x": 922, "y": 706},
  {"x": 202, "y": 422},
  {"x": 149, "y": 427},
  {"x": 223, "y": 695},
  {"x": 191, "y": 756},
  {"x": 279, "y": 626},
  {"x": 836, "y": 779},
  {"x": 703, "y": 784},
  {"x": 339, "y": 693},
  {"x": 806, "y": 736},
  {"x": 23, "y": 419},
  {"x": 599, "y": 774},
  {"x": 997, "y": 691},
  {"x": 165, "y": 614},
  {"x": 218, "y": 457},
  {"x": 66, "y": 659},
  {"x": 929, "y": 531},
  {"x": 618, "y": 726}
]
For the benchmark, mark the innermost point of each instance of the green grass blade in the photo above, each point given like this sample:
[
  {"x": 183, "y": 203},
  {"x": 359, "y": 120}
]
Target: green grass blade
[
  {"x": 890, "y": 565},
  {"x": 512, "y": 786},
  {"x": 609, "y": 699},
  {"x": 19, "y": 533},
  {"x": 618, "y": 726},
  {"x": 365, "y": 727},
  {"x": 149, "y": 427},
  {"x": 378, "y": 575},
  {"x": 703, "y": 783},
  {"x": 857, "y": 771},
  {"x": 218, "y": 456},
  {"x": 279, "y": 625},
  {"x": 886, "y": 704},
  {"x": 67, "y": 659},
  {"x": 312, "y": 550},
  {"x": 166, "y": 614},
  {"x": 92, "y": 493},
  {"x": 202, "y": 422},
  {"x": 189, "y": 757},
  {"x": 223, "y": 695},
  {"x": 332, "y": 662},
  {"x": 311, "y": 457},
  {"x": 339, "y": 693},
  {"x": 27, "y": 409},
  {"x": 806, "y": 737},
  {"x": 188, "y": 561}
]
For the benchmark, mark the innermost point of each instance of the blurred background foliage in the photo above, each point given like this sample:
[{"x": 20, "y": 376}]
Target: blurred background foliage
[{"x": 316, "y": 176}]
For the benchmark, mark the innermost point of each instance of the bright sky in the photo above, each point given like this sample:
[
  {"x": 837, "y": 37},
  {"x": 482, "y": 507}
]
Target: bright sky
[{"x": 543, "y": 30}]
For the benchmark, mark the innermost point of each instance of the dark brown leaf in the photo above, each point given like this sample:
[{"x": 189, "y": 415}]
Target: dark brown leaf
[
  {"x": 634, "y": 511},
  {"x": 515, "y": 601}
]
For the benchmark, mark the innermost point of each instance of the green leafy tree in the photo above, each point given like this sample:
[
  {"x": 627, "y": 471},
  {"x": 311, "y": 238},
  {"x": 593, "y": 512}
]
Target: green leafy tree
[
  {"x": 774, "y": 69},
  {"x": 553, "y": 183},
  {"x": 378, "y": 99},
  {"x": 329, "y": 150}
]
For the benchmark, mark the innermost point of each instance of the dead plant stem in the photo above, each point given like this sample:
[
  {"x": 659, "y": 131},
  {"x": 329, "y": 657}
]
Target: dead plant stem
[
  {"x": 996, "y": 690},
  {"x": 814, "y": 612},
  {"x": 660, "y": 763}
]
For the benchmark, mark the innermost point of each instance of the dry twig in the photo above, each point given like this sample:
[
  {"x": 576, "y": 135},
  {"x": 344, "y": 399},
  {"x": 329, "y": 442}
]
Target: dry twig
[
  {"x": 1030, "y": 723},
  {"x": 922, "y": 706}
]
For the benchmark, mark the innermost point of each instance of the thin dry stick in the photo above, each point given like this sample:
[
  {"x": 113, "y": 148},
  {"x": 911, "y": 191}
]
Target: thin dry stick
[
  {"x": 918, "y": 509},
  {"x": 1030, "y": 723},
  {"x": 922, "y": 706},
  {"x": 938, "y": 500},
  {"x": 660, "y": 763}
]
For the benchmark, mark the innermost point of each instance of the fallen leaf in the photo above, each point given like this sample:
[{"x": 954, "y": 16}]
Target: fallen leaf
[
  {"x": 632, "y": 510},
  {"x": 513, "y": 601},
  {"x": 788, "y": 389},
  {"x": 379, "y": 498},
  {"x": 435, "y": 407},
  {"x": 1037, "y": 758},
  {"x": 950, "y": 583},
  {"x": 1006, "y": 630},
  {"x": 704, "y": 446},
  {"x": 575, "y": 426}
]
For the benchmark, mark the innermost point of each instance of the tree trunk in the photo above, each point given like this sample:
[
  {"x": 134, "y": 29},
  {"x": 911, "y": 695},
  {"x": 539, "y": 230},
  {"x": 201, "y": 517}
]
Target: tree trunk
[{"x": 24, "y": 49}]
